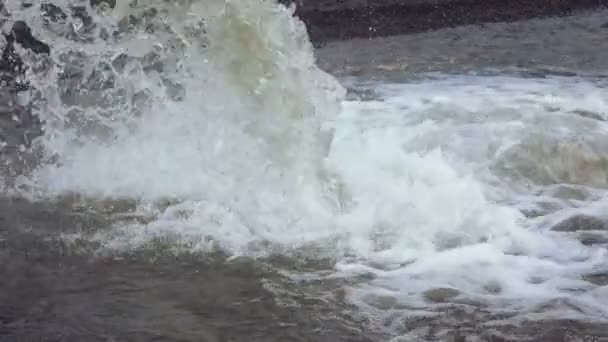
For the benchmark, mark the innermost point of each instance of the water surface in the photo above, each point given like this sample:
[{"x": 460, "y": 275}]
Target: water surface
[{"x": 207, "y": 180}]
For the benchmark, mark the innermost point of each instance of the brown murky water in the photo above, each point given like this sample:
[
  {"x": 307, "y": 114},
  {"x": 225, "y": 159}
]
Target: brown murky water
[{"x": 53, "y": 290}]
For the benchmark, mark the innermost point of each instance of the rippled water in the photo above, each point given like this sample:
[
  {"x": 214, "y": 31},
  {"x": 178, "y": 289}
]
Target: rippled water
[{"x": 199, "y": 177}]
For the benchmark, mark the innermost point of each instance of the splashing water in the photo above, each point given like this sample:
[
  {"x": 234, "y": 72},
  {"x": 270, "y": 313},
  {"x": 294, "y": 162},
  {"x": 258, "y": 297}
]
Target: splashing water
[
  {"x": 443, "y": 176},
  {"x": 218, "y": 111},
  {"x": 154, "y": 89}
]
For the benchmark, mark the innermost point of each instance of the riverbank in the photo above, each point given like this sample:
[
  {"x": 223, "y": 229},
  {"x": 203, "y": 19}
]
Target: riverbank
[{"x": 332, "y": 20}]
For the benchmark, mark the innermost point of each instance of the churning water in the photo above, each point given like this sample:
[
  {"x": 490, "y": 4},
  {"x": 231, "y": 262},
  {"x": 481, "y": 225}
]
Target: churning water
[{"x": 214, "y": 118}]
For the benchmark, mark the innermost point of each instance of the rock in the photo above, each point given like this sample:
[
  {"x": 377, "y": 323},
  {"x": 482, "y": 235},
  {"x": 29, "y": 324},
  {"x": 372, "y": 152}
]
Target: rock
[
  {"x": 581, "y": 223},
  {"x": 440, "y": 295}
]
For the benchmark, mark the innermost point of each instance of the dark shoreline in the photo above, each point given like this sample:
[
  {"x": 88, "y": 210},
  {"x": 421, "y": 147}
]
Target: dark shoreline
[
  {"x": 340, "y": 20},
  {"x": 327, "y": 21},
  {"x": 568, "y": 46}
]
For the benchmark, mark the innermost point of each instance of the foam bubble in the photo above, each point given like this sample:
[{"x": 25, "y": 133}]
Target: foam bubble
[
  {"x": 436, "y": 199},
  {"x": 231, "y": 123}
]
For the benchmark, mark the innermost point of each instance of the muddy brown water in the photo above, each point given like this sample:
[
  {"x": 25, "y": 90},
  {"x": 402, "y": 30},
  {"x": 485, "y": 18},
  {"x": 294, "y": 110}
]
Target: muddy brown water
[{"x": 52, "y": 289}]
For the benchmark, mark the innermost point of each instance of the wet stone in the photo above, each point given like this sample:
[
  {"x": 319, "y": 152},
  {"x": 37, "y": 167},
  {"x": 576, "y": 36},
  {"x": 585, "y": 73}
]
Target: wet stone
[
  {"x": 581, "y": 223},
  {"x": 440, "y": 295}
]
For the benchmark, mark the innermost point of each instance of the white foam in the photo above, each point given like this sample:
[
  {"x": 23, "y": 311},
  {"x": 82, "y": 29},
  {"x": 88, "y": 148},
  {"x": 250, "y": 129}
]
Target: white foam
[
  {"x": 418, "y": 212},
  {"x": 243, "y": 147},
  {"x": 421, "y": 188},
  {"x": 429, "y": 193}
]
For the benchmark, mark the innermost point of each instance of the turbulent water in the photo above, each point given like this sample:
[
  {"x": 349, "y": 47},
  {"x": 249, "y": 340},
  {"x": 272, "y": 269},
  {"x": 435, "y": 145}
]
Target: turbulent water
[{"x": 213, "y": 118}]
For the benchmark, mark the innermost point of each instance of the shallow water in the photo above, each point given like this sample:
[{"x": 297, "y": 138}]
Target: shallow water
[
  {"x": 57, "y": 291},
  {"x": 187, "y": 193}
]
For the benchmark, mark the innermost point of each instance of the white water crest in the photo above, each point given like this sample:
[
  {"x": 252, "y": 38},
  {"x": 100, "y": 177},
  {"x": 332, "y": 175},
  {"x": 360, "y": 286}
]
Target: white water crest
[
  {"x": 443, "y": 172},
  {"x": 218, "y": 111}
]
